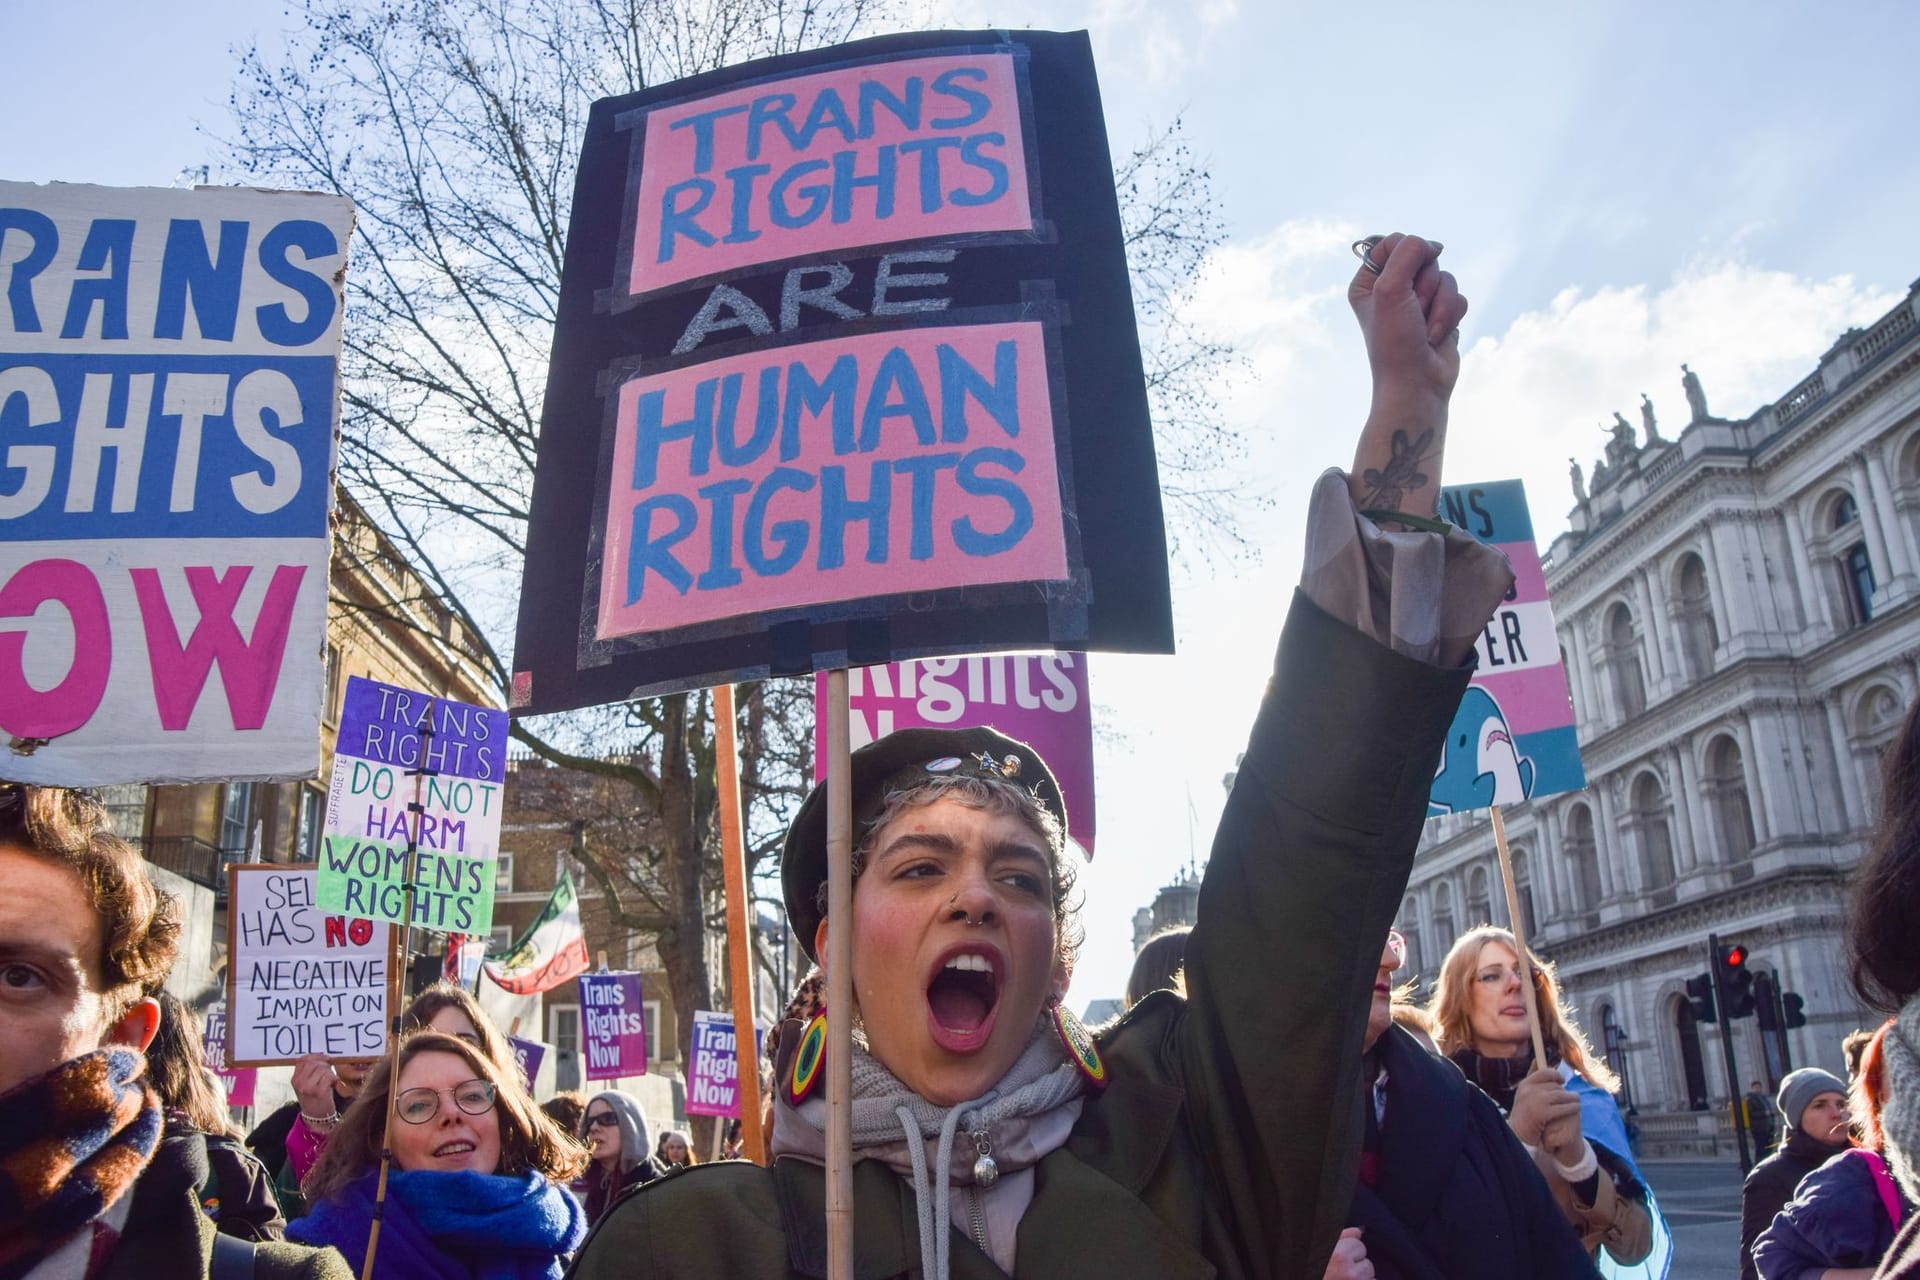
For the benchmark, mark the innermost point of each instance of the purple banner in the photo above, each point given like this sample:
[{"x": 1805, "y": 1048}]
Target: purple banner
[
  {"x": 529, "y": 1054},
  {"x": 613, "y": 1025},
  {"x": 713, "y": 1087},
  {"x": 238, "y": 1084},
  {"x": 1039, "y": 698}
]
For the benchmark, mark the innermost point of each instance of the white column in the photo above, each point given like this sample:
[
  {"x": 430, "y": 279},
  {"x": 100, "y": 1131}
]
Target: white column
[
  {"x": 1650, "y": 630},
  {"x": 1754, "y": 782},
  {"x": 1851, "y": 793},
  {"x": 1779, "y": 793},
  {"x": 1899, "y": 561},
  {"x": 1548, "y": 856},
  {"x": 1607, "y": 843},
  {"x": 1806, "y": 575},
  {"x": 1883, "y": 571},
  {"x": 1588, "y": 710},
  {"x": 1716, "y": 586},
  {"x": 1686, "y": 807}
]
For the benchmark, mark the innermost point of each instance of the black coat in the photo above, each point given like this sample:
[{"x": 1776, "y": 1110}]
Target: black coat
[
  {"x": 1457, "y": 1196},
  {"x": 1770, "y": 1186}
]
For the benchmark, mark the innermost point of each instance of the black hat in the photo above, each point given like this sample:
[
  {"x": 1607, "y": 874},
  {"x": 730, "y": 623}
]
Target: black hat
[{"x": 894, "y": 763}]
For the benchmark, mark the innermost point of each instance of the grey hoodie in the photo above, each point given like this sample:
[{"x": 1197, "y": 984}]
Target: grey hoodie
[{"x": 636, "y": 1146}]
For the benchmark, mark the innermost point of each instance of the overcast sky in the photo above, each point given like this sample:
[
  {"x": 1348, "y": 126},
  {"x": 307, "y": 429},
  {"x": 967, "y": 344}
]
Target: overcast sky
[{"x": 1620, "y": 187}]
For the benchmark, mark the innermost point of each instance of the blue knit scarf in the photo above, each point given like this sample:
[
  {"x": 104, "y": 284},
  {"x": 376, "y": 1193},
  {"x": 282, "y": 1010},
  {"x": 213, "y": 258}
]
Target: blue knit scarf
[{"x": 451, "y": 1226}]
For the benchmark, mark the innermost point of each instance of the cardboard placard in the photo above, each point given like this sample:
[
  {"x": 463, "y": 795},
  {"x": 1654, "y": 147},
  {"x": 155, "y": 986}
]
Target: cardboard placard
[
  {"x": 1513, "y": 737},
  {"x": 846, "y": 360},
  {"x": 169, "y": 398},
  {"x": 370, "y": 818},
  {"x": 1040, "y": 699},
  {"x": 713, "y": 1086},
  {"x": 613, "y": 1025},
  {"x": 300, "y": 981}
]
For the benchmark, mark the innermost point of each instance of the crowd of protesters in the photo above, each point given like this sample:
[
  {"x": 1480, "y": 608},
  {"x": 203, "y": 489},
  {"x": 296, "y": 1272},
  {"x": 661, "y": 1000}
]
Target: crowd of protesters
[{"x": 1219, "y": 1126}]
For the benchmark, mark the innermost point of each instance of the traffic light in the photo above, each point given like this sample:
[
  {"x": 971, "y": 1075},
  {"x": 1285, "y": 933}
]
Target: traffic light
[
  {"x": 1765, "y": 1011},
  {"x": 1736, "y": 983},
  {"x": 1795, "y": 1010},
  {"x": 1700, "y": 996}
]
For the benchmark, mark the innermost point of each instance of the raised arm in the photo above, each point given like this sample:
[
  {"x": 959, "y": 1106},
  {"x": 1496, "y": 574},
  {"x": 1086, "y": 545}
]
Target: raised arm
[{"x": 1315, "y": 847}]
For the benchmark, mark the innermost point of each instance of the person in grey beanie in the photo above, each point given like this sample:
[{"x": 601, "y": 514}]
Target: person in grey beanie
[
  {"x": 614, "y": 1129},
  {"x": 1813, "y": 1107}
]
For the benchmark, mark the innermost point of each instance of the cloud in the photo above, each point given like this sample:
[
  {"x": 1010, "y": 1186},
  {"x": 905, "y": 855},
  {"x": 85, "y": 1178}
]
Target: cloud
[{"x": 1539, "y": 392}]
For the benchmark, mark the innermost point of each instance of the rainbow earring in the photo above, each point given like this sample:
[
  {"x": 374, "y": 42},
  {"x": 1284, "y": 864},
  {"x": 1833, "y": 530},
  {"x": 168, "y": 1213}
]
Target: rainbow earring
[
  {"x": 808, "y": 1056},
  {"x": 1079, "y": 1044}
]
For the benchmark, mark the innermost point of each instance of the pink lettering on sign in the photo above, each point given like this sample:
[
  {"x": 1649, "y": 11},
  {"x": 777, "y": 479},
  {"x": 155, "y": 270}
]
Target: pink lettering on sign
[
  {"x": 868, "y": 155},
  {"x": 830, "y": 471}
]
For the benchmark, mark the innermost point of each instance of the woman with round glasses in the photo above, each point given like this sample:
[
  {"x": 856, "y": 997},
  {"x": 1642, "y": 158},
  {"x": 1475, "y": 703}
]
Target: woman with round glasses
[
  {"x": 475, "y": 1189},
  {"x": 1562, "y": 1109},
  {"x": 614, "y": 1129}
]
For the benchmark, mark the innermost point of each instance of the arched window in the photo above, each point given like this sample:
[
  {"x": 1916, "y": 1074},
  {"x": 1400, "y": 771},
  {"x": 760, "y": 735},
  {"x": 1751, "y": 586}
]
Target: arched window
[
  {"x": 1726, "y": 786},
  {"x": 1443, "y": 926},
  {"x": 1699, "y": 635},
  {"x": 1623, "y": 662},
  {"x": 1856, "y": 566},
  {"x": 1655, "y": 835},
  {"x": 1613, "y": 1045},
  {"x": 1479, "y": 906},
  {"x": 1876, "y": 719},
  {"x": 1523, "y": 890},
  {"x": 1693, "y": 1068},
  {"x": 1583, "y": 857}
]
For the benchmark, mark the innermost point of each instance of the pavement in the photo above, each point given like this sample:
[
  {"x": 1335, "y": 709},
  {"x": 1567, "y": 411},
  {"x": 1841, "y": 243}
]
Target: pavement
[{"x": 1701, "y": 1201}]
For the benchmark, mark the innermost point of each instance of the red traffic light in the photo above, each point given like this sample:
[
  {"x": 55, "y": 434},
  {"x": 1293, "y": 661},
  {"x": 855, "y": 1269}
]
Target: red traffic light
[{"x": 1735, "y": 956}]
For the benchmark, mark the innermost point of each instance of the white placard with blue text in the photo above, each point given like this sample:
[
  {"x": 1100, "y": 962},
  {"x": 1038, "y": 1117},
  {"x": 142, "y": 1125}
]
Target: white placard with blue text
[{"x": 169, "y": 391}]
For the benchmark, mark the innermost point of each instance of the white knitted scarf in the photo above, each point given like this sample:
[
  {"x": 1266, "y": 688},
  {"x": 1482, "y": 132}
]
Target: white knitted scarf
[{"x": 1900, "y": 1117}]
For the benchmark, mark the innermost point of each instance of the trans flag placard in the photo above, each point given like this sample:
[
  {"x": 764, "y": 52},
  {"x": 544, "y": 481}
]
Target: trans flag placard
[{"x": 1513, "y": 738}]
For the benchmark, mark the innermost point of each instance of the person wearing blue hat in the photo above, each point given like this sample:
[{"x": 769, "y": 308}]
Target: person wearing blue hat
[{"x": 1215, "y": 1134}]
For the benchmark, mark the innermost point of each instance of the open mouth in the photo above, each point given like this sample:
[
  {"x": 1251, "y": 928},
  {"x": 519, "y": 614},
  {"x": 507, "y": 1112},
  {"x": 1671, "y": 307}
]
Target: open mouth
[
  {"x": 962, "y": 995},
  {"x": 1498, "y": 735},
  {"x": 449, "y": 1149}
]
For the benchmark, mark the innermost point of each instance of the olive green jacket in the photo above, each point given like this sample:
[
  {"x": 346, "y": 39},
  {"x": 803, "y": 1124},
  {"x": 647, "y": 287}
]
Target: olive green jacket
[{"x": 1228, "y": 1141}]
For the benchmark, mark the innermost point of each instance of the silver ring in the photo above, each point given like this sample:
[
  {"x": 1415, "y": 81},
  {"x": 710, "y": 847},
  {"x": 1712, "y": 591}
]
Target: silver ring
[{"x": 1363, "y": 250}]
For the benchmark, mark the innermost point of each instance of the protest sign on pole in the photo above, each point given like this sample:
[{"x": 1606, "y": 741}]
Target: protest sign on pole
[
  {"x": 369, "y": 818},
  {"x": 713, "y": 1086},
  {"x": 1513, "y": 737},
  {"x": 239, "y": 1085},
  {"x": 1036, "y": 698},
  {"x": 613, "y": 1025},
  {"x": 299, "y": 980},
  {"x": 857, "y": 389},
  {"x": 529, "y": 1054},
  {"x": 168, "y": 404}
]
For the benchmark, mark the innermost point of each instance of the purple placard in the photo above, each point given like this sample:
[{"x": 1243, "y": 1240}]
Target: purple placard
[
  {"x": 713, "y": 1087},
  {"x": 529, "y": 1054},
  {"x": 1039, "y": 698},
  {"x": 239, "y": 1084},
  {"x": 613, "y": 1025},
  {"x": 382, "y": 722}
]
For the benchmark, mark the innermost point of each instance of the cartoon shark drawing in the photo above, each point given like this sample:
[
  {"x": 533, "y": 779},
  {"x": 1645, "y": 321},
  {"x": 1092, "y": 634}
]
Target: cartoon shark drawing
[{"x": 1480, "y": 766}]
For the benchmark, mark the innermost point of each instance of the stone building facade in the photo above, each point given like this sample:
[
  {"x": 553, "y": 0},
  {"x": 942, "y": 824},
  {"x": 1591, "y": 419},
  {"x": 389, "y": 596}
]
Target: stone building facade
[{"x": 1739, "y": 608}]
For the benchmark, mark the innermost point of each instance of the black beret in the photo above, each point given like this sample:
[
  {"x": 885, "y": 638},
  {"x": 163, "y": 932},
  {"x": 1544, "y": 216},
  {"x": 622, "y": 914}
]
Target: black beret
[{"x": 899, "y": 762}]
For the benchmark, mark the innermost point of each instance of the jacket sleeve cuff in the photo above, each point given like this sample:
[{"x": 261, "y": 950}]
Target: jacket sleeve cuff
[{"x": 1424, "y": 595}]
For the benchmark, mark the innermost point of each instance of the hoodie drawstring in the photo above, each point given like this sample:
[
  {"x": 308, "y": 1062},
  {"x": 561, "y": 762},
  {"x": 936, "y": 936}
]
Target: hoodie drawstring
[{"x": 934, "y": 1206}]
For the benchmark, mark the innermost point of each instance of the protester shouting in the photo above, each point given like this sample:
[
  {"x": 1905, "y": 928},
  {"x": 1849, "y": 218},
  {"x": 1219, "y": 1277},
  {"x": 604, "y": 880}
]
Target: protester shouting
[
  {"x": 1563, "y": 1109},
  {"x": 86, "y": 1186},
  {"x": 473, "y": 1193},
  {"x": 442, "y": 1007},
  {"x": 1446, "y": 1191},
  {"x": 1216, "y": 1134},
  {"x": 1813, "y": 1107},
  {"x": 1844, "y": 1215},
  {"x": 614, "y": 1129},
  {"x": 238, "y": 1193}
]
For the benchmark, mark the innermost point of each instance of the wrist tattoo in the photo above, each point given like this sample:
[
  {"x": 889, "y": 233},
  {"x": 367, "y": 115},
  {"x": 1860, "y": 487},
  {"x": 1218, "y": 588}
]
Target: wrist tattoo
[{"x": 1389, "y": 486}]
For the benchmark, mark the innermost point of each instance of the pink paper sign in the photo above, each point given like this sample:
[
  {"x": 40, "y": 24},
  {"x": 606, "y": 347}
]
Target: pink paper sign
[
  {"x": 1038, "y": 698},
  {"x": 862, "y": 466},
  {"x": 815, "y": 164}
]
